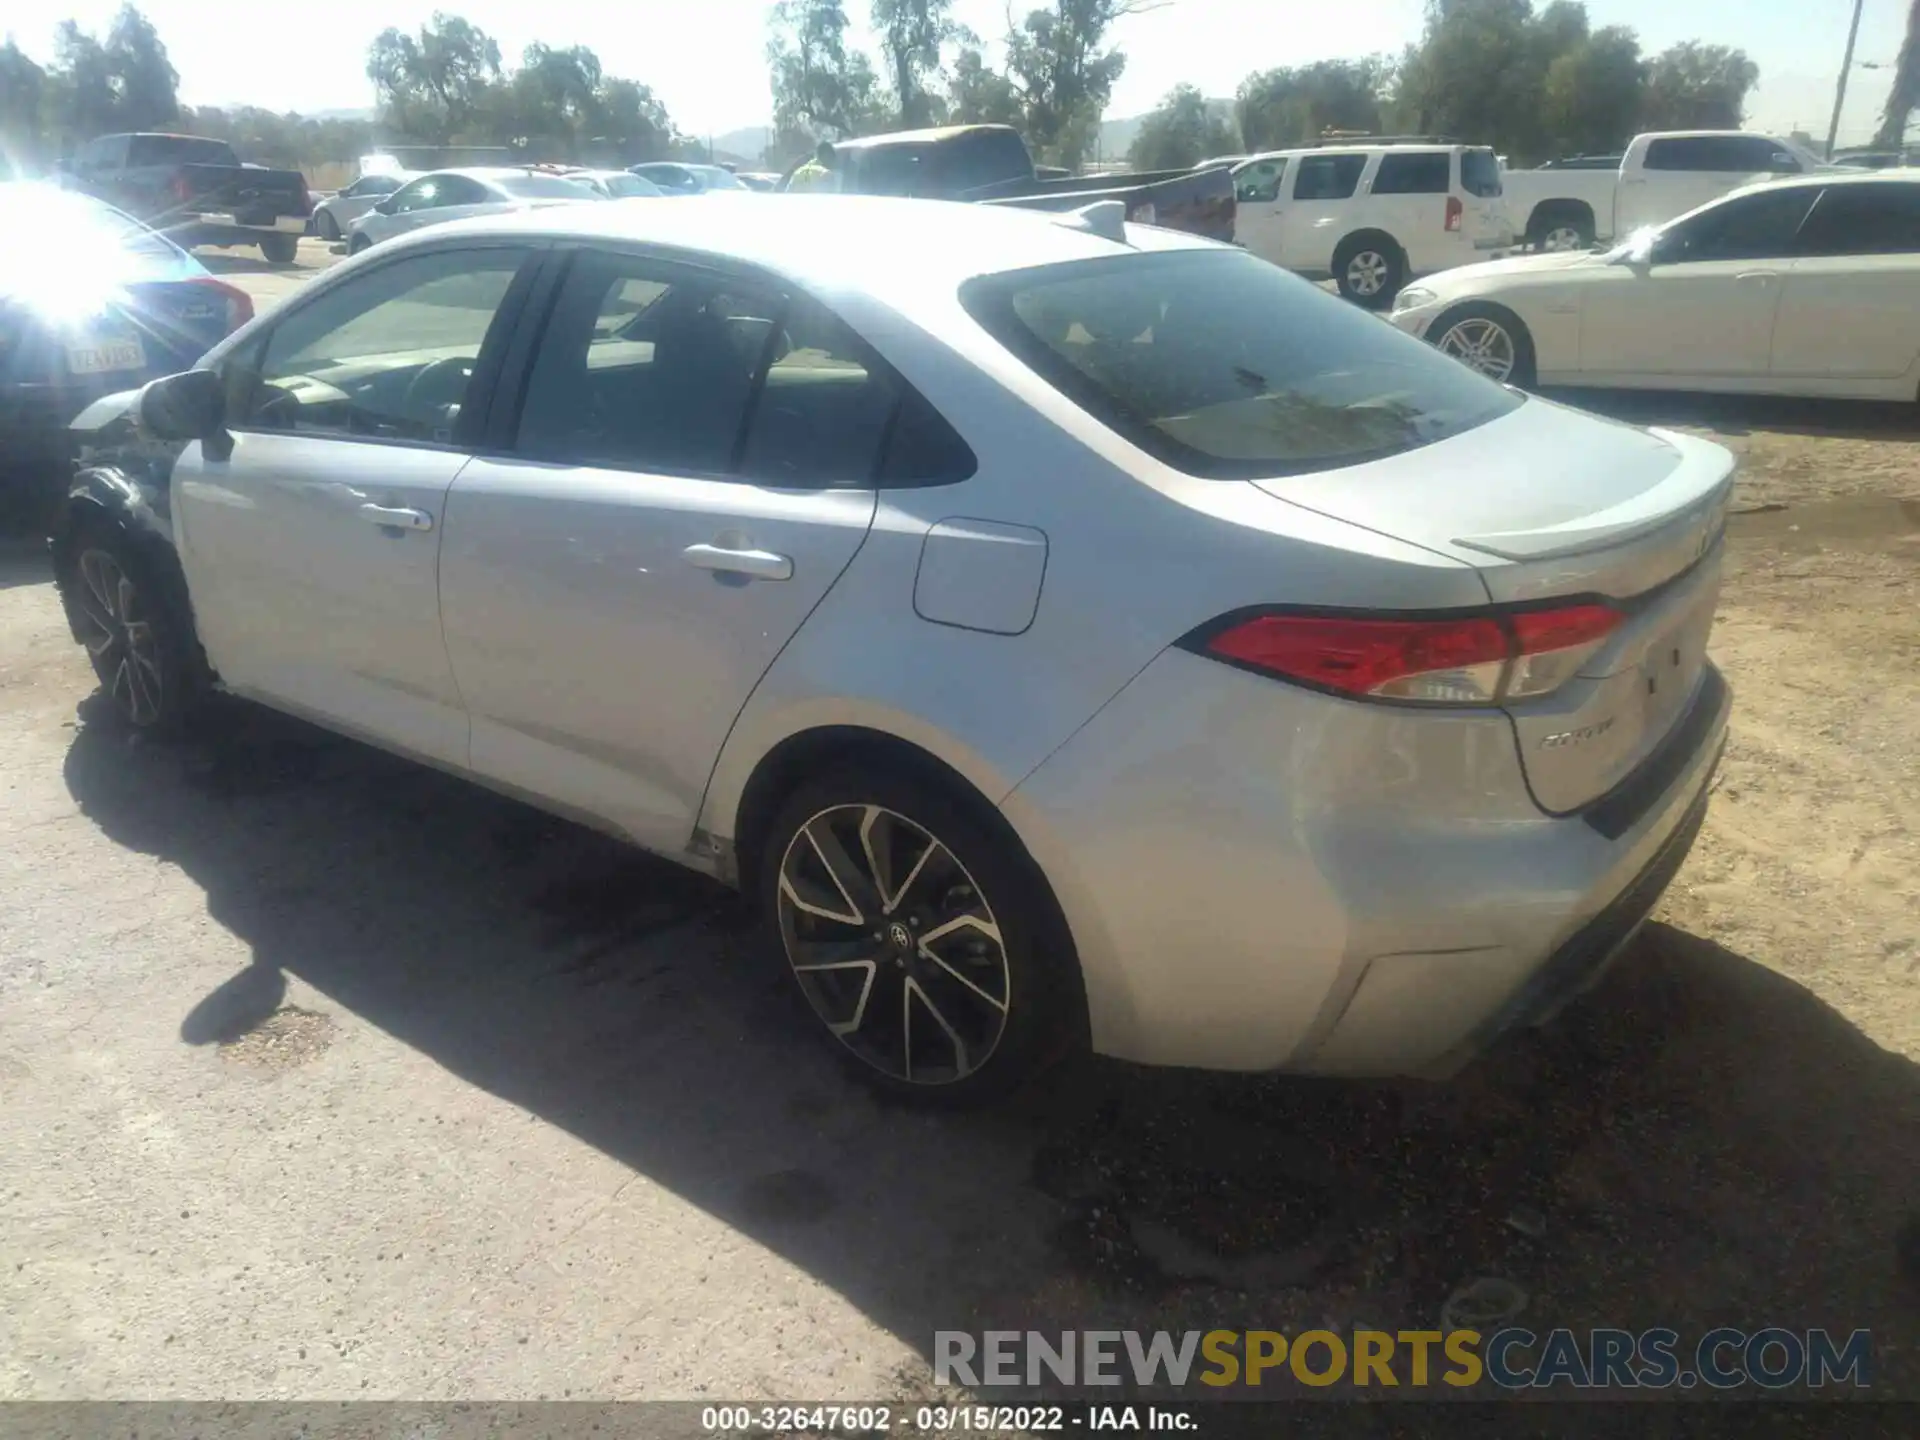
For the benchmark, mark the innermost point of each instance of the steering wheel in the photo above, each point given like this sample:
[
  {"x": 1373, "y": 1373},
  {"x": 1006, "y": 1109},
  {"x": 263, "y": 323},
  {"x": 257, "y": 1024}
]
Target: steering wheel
[{"x": 437, "y": 389}]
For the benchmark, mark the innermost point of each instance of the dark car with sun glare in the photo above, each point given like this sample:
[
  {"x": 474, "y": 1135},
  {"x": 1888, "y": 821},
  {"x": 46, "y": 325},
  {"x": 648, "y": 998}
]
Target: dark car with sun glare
[{"x": 91, "y": 302}]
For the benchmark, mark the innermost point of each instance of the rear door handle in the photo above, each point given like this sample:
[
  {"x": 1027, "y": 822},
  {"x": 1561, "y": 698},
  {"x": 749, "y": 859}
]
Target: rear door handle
[
  {"x": 395, "y": 517},
  {"x": 756, "y": 564},
  {"x": 1757, "y": 277}
]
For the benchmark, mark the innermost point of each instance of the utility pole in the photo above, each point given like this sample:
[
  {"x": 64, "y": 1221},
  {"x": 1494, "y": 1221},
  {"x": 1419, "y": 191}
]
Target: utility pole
[{"x": 1840, "y": 89}]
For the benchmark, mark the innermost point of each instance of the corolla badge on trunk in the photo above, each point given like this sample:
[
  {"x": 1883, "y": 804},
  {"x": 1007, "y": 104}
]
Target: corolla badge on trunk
[{"x": 1564, "y": 738}]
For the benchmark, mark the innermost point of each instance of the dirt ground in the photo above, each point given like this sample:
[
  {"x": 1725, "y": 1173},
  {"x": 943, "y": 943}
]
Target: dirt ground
[{"x": 331, "y": 1077}]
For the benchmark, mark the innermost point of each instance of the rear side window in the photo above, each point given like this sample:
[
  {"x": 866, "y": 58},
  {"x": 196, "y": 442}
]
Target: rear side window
[
  {"x": 650, "y": 366},
  {"x": 824, "y": 406},
  {"x": 984, "y": 157},
  {"x": 1421, "y": 174},
  {"x": 1720, "y": 155},
  {"x": 1227, "y": 367},
  {"x": 1480, "y": 173},
  {"x": 1864, "y": 220},
  {"x": 1328, "y": 177}
]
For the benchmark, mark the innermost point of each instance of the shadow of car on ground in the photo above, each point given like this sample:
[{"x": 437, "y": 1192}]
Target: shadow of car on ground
[
  {"x": 1700, "y": 1142},
  {"x": 1735, "y": 414}
]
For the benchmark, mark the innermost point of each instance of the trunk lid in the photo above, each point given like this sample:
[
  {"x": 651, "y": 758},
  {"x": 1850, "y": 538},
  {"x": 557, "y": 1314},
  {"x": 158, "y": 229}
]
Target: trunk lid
[{"x": 1547, "y": 503}]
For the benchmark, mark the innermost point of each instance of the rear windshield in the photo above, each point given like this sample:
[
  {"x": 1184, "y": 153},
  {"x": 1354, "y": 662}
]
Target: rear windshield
[
  {"x": 178, "y": 150},
  {"x": 546, "y": 187},
  {"x": 1227, "y": 367},
  {"x": 1479, "y": 173}
]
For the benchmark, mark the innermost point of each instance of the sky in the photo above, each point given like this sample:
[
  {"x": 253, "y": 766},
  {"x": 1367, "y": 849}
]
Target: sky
[{"x": 706, "y": 59}]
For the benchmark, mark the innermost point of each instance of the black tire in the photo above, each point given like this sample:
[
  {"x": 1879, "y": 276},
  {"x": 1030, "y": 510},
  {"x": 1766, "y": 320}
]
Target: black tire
[
  {"x": 998, "y": 997},
  {"x": 1482, "y": 316},
  {"x": 1370, "y": 269},
  {"x": 357, "y": 244},
  {"x": 133, "y": 618},
  {"x": 279, "y": 249},
  {"x": 1560, "y": 228},
  {"x": 327, "y": 227}
]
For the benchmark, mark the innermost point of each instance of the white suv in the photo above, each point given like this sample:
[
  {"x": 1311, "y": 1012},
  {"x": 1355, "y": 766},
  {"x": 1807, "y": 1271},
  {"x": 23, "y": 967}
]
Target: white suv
[{"x": 1372, "y": 216}]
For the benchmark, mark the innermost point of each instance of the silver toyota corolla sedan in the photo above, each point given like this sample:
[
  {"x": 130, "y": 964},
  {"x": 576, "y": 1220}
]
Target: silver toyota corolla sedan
[{"x": 1067, "y": 632}]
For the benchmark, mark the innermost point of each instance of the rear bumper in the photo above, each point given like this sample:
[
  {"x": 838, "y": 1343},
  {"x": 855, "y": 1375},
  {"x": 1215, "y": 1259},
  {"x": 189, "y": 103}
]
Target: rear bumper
[{"x": 1263, "y": 878}]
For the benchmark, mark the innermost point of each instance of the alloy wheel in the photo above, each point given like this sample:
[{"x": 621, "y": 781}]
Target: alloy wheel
[
  {"x": 893, "y": 944},
  {"x": 1563, "y": 237},
  {"x": 1483, "y": 344},
  {"x": 1367, "y": 273},
  {"x": 120, "y": 638}
]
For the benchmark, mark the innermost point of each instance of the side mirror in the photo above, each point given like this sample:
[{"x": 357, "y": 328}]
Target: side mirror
[
  {"x": 189, "y": 406},
  {"x": 383, "y": 206},
  {"x": 1782, "y": 163}
]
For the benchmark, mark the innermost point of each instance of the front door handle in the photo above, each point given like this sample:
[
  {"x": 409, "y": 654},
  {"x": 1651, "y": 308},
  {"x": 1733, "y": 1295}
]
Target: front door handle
[
  {"x": 755, "y": 564},
  {"x": 396, "y": 517},
  {"x": 1757, "y": 277}
]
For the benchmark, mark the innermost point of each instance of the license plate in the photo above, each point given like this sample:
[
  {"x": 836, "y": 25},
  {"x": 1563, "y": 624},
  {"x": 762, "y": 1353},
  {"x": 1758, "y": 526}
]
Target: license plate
[
  {"x": 101, "y": 356},
  {"x": 291, "y": 224}
]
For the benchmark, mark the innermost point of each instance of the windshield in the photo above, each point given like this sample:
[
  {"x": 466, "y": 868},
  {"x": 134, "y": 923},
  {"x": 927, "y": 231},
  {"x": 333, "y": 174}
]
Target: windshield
[
  {"x": 1227, "y": 367},
  {"x": 718, "y": 179},
  {"x": 623, "y": 186},
  {"x": 178, "y": 150},
  {"x": 545, "y": 187}
]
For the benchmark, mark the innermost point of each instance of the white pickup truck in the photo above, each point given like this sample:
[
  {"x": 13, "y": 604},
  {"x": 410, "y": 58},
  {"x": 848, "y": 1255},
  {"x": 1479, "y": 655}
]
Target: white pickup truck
[{"x": 1661, "y": 175}]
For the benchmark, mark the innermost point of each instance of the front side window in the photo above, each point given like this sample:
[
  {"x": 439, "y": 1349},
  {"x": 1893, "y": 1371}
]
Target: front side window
[
  {"x": 1878, "y": 219},
  {"x": 385, "y": 355},
  {"x": 647, "y": 366},
  {"x": 1258, "y": 183},
  {"x": 1224, "y": 366},
  {"x": 1427, "y": 173},
  {"x": 1759, "y": 226},
  {"x": 1328, "y": 177}
]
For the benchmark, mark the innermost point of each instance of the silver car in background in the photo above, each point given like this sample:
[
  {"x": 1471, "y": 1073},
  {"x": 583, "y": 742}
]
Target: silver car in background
[
  {"x": 333, "y": 215},
  {"x": 443, "y": 195},
  {"x": 1073, "y": 633}
]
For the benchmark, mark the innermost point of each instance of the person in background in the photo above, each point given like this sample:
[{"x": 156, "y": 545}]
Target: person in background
[{"x": 817, "y": 173}]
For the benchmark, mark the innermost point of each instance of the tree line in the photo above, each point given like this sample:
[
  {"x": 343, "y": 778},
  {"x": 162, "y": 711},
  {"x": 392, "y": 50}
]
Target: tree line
[
  {"x": 444, "y": 85},
  {"x": 1532, "y": 82}
]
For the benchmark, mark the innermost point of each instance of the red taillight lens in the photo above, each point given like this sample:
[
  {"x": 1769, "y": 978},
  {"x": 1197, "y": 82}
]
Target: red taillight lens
[
  {"x": 1454, "y": 660},
  {"x": 1456, "y": 212},
  {"x": 239, "y": 304},
  {"x": 1550, "y": 646}
]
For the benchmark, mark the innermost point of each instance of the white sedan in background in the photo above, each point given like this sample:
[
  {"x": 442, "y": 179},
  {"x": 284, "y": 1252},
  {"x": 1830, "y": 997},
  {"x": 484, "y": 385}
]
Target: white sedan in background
[
  {"x": 333, "y": 215},
  {"x": 1798, "y": 287},
  {"x": 443, "y": 195}
]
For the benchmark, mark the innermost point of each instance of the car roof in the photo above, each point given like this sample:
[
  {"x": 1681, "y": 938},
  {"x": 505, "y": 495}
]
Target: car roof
[
  {"x": 861, "y": 243},
  {"x": 1359, "y": 147}
]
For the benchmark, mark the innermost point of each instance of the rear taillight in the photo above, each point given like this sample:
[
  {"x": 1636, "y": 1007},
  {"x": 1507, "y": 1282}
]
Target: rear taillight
[
  {"x": 1448, "y": 660},
  {"x": 239, "y": 304},
  {"x": 1456, "y": 212},
  {"x": 182, "y": 191}
]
